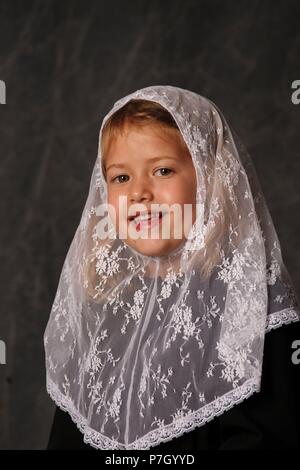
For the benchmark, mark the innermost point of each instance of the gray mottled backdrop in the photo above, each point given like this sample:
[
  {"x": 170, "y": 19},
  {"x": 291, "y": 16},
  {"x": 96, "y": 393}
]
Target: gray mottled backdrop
[{"x": 64, "y": 64}]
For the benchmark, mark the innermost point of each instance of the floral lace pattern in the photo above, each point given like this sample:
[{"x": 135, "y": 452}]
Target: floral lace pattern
[{"x": 140, "y": 350}]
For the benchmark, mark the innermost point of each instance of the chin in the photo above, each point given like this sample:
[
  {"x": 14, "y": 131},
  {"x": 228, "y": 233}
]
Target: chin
[{"x": 153, "y": 248}]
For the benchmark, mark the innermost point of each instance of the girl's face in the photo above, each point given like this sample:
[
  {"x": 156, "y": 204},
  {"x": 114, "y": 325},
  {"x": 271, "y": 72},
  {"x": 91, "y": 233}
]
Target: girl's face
[{"x": 150, "y": 165}]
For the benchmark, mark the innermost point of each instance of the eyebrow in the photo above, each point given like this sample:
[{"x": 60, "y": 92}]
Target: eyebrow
[{"x": 122, "y": 165}]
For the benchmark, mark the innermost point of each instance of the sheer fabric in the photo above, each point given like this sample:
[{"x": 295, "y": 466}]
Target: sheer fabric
[{"x": 141, "y": 349}]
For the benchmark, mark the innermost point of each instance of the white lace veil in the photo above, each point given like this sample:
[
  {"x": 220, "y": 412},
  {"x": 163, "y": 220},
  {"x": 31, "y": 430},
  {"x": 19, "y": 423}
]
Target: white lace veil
[{"x": 141, "y": 349}]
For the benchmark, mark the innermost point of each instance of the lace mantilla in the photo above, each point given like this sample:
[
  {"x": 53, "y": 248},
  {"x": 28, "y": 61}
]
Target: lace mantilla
[
  {"x": 140, "y": 349},
  {"x": 184, "y": 424},
  {"x": 163, "y": 434}
]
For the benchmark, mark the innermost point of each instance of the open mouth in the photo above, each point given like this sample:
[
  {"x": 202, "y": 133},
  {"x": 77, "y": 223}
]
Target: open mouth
[{"x": 146, "y": 219}]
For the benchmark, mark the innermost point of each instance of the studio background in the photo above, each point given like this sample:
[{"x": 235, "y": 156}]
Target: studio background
[{"x": 64, "y": 64}]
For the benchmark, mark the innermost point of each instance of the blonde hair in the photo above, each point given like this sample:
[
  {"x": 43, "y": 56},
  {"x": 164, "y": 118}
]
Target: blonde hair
[{"x": 137, "y": 113}]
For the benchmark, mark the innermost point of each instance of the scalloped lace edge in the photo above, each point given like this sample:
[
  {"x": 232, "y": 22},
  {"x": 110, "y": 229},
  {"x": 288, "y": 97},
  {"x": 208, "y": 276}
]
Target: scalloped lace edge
[
  {"x": 180, "y": 426},
  {"x": 159, "y": 435},
  {"x": 284, "y": 317}
]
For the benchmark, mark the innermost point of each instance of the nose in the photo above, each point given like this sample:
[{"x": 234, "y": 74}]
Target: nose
[{"x": 140, "y": 190}]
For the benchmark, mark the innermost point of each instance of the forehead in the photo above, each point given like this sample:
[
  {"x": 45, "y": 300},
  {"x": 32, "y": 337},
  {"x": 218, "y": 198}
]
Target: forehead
[{"x": 149, "y": 137}]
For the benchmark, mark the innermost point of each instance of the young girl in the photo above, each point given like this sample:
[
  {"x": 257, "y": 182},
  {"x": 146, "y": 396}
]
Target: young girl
[{"x": 160, "y": 341}]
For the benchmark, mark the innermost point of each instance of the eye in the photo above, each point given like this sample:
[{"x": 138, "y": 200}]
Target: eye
[
  {"x": 163, "y": 169},
  {"x": 116, "y": 178}
]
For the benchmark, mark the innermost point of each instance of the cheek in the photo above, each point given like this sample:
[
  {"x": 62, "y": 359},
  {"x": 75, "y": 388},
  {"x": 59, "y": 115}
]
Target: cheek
[
  {"x": 182, "y": 191},
  {"x": 190, "y": 189},
  {"x": 113, "y": 198},
  {"x": 113, "y": 201}
]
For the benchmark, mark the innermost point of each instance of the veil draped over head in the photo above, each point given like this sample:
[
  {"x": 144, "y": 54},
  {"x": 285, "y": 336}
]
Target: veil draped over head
[{"x": 141, "y": 349}]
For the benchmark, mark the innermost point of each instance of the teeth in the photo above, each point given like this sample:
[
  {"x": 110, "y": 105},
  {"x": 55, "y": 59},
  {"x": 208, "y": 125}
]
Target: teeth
[{"x": 140, "y": 218}]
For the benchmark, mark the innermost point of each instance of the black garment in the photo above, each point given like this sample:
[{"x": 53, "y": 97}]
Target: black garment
[{"x": 269, "y": 419}]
